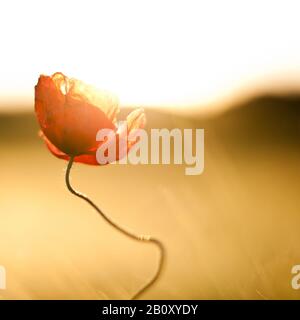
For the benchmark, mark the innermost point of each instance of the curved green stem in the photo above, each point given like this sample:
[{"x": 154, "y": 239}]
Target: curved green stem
[{"x": 141, "y": 238}]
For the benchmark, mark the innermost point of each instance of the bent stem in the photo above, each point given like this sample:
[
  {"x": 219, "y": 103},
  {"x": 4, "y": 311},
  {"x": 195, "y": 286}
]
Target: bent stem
[{"x": 141, "y": 238}]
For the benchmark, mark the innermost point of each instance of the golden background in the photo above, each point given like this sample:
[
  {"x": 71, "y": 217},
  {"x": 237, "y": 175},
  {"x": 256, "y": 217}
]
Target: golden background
[{"x": 230, "y": 233}]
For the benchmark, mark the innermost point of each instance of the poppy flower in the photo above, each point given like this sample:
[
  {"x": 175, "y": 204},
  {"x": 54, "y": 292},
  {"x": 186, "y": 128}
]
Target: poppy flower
[{"x": 70, "y": 114}]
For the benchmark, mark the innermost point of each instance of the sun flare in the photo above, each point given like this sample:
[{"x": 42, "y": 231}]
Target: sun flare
[{"x": 169, "y": 53}]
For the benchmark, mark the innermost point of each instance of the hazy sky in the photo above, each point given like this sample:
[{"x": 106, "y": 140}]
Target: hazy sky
[{"x": 150, "y": 52}]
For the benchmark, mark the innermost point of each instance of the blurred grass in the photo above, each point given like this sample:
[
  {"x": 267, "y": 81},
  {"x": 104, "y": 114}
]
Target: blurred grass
[{"x": 232, "y": 232}]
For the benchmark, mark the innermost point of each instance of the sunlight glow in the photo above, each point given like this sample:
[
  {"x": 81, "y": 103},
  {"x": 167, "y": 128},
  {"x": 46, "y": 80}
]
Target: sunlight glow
[{"x": 152, "y": 53}]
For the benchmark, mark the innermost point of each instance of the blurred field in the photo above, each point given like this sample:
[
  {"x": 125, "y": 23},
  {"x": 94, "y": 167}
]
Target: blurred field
[{"x": 232, "y": 232}]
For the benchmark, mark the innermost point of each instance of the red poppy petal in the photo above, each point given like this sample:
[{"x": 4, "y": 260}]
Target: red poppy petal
[
  {"x": 86, "y": 158},
  {"x": 54, "y": 150},
  {"x": 134, "y": 121},
  {"x": 67, "y": 117},
  {"x": 49, "y": 108},
  {"x": 107, "y": 102}
]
